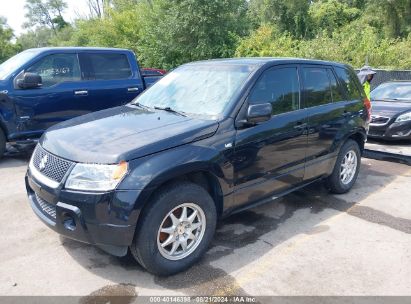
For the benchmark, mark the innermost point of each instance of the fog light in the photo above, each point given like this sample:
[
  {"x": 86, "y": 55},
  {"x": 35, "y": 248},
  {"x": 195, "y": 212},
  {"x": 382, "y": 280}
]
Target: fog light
[
  {"x": 69, "y": 223},
  {"x": 402, "y": 133}
]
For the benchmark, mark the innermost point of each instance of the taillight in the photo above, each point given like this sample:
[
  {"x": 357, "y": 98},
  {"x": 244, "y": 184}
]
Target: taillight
[{"x": 367, "y": 105}]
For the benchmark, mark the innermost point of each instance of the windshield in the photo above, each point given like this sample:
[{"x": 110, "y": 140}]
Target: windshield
[
  {"x": 15, "y": 62},
  {"x": 203, "y": 89},
  {"x": 393, "y": 91}
]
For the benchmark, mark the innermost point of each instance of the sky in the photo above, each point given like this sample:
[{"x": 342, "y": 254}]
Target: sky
[{"x": 14, "y": 11}]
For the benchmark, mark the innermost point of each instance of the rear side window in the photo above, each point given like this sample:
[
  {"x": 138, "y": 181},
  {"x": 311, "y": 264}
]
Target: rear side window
[
  {"x": 280, "y": 87},
  {"x": 317, "y": 87},
  {"x": 104, "y": 66},
  {"x": 57, "y": 68},
  {"x": 335, "y": 89},
  {"x": 350, "y": 83}
]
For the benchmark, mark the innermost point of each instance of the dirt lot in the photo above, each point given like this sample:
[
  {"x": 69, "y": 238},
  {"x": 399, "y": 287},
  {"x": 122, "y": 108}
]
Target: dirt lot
[{"x": 308, "y": 243}]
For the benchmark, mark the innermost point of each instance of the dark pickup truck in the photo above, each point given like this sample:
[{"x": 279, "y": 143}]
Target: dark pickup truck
[{"x": 44, "y": 86}]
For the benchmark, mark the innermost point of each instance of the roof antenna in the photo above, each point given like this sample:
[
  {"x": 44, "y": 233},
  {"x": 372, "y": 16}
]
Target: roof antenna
[{"x": 366, "y": 60}]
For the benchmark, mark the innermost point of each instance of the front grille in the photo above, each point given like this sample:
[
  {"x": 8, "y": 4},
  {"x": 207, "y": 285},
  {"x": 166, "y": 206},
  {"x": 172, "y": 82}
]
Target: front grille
[
  {"x": 49, "y": 165},
  {"x": 379, "y": 120},
  {"x": 48, "y": 209}
]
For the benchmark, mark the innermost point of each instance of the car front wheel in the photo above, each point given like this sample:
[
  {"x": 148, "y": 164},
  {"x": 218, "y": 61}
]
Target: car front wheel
[{"x": 175, "y": 230}]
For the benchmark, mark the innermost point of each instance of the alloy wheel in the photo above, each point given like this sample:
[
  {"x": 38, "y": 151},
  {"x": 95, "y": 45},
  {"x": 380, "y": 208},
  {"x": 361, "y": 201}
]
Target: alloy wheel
[{"x": 181, "y": 231}]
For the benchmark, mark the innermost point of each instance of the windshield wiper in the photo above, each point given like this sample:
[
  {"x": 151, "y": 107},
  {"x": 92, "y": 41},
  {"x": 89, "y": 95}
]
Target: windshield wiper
[
  {"x": 168, "y": 109},
  {"x": 140, "y": 105}
]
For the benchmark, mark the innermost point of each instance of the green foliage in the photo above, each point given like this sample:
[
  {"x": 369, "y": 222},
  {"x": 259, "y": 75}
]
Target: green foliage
[
  {"x": 167, "y": 33},
  {"x": 45, "y": 13},
  {"x": 7, "y": 48},
  {"x": 332, "y": 14},
  {"x": 174, "y": 32},
  {"x": 40, "y": 37},
  {"x": 287, "y": 15},
  {"x": 350, "y": 44}
]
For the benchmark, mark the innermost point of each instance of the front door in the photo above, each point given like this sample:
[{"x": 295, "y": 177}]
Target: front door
[
  {"x": 56, "y": 100},
  {"x": 270, "y": 156}
]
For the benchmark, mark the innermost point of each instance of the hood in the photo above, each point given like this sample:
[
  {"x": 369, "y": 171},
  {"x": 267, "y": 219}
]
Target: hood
[
  {"x": 123, "y": 133},
  {"x": 389, "y": 109}
]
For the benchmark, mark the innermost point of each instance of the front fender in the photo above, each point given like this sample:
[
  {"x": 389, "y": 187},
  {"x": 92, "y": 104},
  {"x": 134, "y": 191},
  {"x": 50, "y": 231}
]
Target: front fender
[
  {"x": 148, "y": 173},
  {"x": 153, "y": 170}
]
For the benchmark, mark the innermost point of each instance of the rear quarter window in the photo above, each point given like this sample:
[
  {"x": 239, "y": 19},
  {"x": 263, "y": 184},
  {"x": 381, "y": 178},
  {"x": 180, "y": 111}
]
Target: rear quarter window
[{"x": 350, "y": 83}]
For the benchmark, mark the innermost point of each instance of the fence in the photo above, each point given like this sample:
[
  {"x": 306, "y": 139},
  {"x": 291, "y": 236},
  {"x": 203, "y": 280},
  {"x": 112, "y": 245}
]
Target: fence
[{"x": 389, "y": 75}]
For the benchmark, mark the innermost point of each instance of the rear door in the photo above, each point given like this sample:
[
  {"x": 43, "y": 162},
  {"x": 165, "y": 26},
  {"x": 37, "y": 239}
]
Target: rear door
[
  {"x": 269, "y": 157},
  {"x": 324, "y": 103},
  {"x": 353, "y": 94},
  {"x": 110, "y": 79},
  {"x": 38, "y": 109}
]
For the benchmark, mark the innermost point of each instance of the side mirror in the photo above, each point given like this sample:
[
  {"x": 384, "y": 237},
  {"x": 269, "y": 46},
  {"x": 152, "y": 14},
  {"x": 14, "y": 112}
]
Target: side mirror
[
  {"x": 29, "y": 81},
  {"x": 258, "y": 113}
]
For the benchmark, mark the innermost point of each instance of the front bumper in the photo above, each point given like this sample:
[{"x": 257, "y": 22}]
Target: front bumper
[
  {"x": 391, "y": 131},
  {"x": 106, "y": 220}
]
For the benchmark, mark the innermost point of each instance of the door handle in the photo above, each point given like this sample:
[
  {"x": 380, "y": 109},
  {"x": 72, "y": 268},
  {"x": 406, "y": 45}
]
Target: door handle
[
  {"x": 81, "y": 92},
  {"x": 132, "y": 89},
  {"x": 345, "y": 114}
]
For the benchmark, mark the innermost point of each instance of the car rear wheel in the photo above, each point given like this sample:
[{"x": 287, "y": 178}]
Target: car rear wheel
[
  {"x": 175, "y": 230},
  {"x": 346, "y": 168},
  {"x": 2, "y": 143}
]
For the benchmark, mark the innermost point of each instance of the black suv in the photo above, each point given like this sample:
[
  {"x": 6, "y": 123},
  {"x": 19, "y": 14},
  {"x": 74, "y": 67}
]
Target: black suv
[{"x": 209, "y": 139}]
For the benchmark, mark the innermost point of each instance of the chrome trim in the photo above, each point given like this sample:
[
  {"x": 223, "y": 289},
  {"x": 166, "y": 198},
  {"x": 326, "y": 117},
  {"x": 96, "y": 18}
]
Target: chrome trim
[
  {"x": 48, "y": 208},
  {"x": 81, "y": 92},
  {"x": 379, "y": 124},
  {"x": 41, "y": 178},
  {"x": 39, "y": 213}
]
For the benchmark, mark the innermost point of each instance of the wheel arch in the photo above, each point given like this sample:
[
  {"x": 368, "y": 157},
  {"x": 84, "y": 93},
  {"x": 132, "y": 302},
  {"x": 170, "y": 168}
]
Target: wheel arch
[
  {"x": 359, "y": 137},
  {"x": 206, "y": 175}
]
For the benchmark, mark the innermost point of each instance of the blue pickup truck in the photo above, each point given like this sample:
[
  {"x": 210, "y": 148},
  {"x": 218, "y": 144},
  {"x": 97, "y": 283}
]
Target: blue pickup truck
[{"x": 44, "y": 86}]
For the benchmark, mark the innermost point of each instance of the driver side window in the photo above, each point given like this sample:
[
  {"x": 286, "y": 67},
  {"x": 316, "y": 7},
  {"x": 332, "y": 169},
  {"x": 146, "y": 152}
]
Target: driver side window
[
  {"x": 57, "y": 68},
  {"x": 280, "y": 87}
]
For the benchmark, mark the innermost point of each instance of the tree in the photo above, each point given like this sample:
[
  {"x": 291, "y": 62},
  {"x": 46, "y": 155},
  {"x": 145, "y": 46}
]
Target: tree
[
  {"x": 35, "y": 38},
  {"x": 7, "y": 48},
  {"x": 98, "y": 8},
  {"x": 175, "y": 32},
  {"x": 287, "y": 15},
  {"x": 45, "y": 13},
  {"x": 331, "y": 14}
]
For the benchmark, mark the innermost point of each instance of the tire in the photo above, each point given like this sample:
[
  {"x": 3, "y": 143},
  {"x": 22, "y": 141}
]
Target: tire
[
  {"x": 2, "y": 143},
  {"x": 196, "y": 232},
  {"x": 350, "y": 156}
]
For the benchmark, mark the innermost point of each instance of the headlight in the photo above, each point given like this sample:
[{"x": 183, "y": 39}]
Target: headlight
[
  {"x": 404, "y": 117},
  {"x": 92, "y": 177}
]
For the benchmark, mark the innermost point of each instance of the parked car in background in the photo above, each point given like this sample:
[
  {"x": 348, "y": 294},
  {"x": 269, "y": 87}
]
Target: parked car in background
[
  {"x": 209, "y": 139},
  {"x": 391, "y": 111},
  {"x": 153, "y": 72},
  {"x": 41, "y": 87}
]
